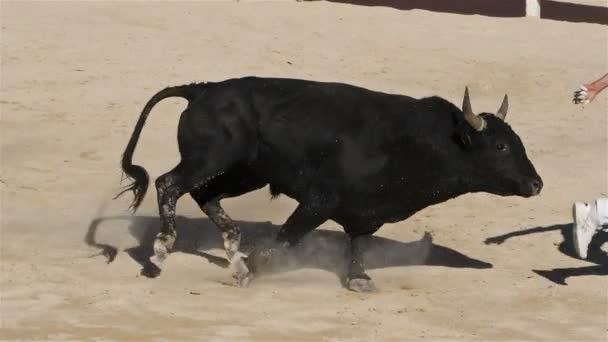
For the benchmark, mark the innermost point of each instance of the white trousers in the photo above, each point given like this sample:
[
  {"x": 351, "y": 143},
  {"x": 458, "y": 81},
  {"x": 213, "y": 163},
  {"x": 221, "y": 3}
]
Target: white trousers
[{"x": 602, "y": 211}]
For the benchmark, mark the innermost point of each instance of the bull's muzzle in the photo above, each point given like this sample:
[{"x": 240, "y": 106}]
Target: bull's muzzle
[{"x": 533, "y": 187}]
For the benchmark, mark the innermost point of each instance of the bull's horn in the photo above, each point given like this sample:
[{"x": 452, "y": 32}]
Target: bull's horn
[
  {"x": 475, "y": 121},
  {"x": 504, "y": 107}
]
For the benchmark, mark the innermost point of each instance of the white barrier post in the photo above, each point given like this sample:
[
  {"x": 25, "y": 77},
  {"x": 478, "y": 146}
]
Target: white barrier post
[{"x": 533, "y": 8}]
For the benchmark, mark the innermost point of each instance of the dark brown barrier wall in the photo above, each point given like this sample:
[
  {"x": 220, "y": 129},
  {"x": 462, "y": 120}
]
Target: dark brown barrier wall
[
  {"x": 558, "y": 10},
  {"x": 494, "y": 8},
  {"x": 550, "y": 9}
]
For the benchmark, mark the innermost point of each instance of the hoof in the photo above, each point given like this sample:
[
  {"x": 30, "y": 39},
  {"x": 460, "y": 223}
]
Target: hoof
[
  {"x": 238, "y": 263},
  {"x": 360, "y": 285},
  {"x": 242, "y": 280},
  {"x": 150, "y": 271},
  {"x": 162, "y": 245},
  {"x": 242, "y": 275},
  {"x": 160, "y": 253}
]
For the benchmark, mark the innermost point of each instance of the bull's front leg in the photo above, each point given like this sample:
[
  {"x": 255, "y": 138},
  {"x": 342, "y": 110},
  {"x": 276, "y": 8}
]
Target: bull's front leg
[
  {"x": 356, "y": 278},
  {"x": 308, "y": 216}
]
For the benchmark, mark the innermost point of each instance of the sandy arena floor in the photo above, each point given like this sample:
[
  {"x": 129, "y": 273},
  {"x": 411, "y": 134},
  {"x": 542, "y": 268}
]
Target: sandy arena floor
[{"x": 76, "y": 75}]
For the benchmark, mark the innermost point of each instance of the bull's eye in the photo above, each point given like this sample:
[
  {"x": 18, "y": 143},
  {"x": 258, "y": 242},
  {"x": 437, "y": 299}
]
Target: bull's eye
[{"x": 501, "y": 147}]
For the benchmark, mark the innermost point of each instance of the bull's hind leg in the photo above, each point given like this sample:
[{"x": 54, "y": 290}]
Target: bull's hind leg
[
  {"x": 232, "y": 240},
  {"x": 186, "y": 176},
  {"x": 169, "y": 188},
  {"x": 230, "y": 231},
  {"x": 234, "y": 183},
  {"x": 214, "y": 135}
]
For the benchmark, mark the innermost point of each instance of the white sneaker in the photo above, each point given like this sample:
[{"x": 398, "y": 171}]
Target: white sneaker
[{"x": 584, "y": 228}]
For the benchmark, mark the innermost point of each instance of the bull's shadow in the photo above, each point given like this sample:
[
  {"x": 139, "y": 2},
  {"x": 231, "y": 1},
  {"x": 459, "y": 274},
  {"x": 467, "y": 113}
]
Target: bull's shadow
[
  {"x": 559, "y": 275},
  {"x": 321, "y": 249}
]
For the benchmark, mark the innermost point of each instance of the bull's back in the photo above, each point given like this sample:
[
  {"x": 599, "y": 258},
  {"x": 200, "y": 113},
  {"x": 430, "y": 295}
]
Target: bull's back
[
  {"x": 330, "y": 135},
  {"x": 311, "y": 113}
]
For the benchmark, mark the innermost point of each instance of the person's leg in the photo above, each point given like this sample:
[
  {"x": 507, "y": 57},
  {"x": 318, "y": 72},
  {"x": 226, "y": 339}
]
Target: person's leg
[
  {"x": 602, "y": 211},
  {"x": 588, "y": 220},
  {"x": 587, "y": 92}
]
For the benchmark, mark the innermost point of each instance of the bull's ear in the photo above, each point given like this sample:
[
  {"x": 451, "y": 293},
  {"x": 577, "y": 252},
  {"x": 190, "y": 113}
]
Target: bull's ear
[
  {"x": 464, "y": 137},
  {"x": 466, "y": 140}
]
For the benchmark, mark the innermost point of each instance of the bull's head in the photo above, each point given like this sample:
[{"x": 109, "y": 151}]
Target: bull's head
[{"x": 498, "y": 156}]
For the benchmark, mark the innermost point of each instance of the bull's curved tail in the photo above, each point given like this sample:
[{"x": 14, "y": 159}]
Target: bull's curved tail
[{"x": 136, "y": 173}]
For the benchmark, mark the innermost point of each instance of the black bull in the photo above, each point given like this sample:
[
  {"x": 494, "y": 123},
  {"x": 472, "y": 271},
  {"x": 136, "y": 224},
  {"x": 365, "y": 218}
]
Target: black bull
[{"x": 359, "y": 157}]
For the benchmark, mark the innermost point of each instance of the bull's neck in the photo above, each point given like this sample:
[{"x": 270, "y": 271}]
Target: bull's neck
[
  {"x": 447, "y": 188},
  {"x": 455, "y": 181}
]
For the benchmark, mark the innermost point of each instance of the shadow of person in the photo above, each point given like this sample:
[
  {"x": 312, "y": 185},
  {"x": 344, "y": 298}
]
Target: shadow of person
[
  {"x": 559, "y": 275},
  {"x": 320, "y": 249}
]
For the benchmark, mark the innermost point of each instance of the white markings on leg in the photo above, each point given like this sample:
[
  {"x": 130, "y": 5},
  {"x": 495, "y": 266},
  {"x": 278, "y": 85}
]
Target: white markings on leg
[{"x": 162, "y": 244}]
